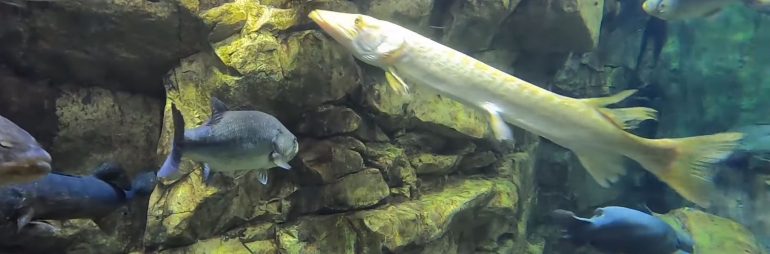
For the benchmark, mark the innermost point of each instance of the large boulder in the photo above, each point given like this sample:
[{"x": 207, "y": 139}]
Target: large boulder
[
  {"x": 122, "y": 45},
  {"x": 713, "y": 234}
]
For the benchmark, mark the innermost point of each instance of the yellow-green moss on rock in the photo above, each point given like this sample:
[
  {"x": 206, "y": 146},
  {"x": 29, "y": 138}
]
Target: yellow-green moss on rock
[
  {"x": 713, "y": 234},
  {"x": 428, "y": 108},
  {"x": 427, "y": 163},
  {"x": 427, "y": 219}
]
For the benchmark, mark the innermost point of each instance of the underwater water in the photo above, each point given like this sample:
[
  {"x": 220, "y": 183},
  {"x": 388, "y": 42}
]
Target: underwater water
[{"x": 384, "y": 126}]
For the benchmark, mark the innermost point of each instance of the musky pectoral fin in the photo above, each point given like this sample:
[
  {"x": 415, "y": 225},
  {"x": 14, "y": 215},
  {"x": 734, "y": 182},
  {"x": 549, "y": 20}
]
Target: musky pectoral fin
[
  {"x": 499, "y": 128},
  {"x": 629, "y": 118},
  {"x": 396, "y": 83},
  {"x": 605, "y": 168}
]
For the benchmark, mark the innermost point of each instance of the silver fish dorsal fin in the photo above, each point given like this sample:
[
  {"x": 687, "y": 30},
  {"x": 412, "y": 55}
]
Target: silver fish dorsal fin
[{"x": 218, "y": 108}]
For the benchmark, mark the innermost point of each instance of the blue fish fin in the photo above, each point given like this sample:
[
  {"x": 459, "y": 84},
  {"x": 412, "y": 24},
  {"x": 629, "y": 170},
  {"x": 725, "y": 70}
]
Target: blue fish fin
[
  {"x": 111, "y": 173},
  {"x": 218, "y": 109},
  {"x": 206, "y": 172},
  {"x": 574, "y": 227},
  {"x": 26, "y": 216},
  {"x": 105, "y": 224},
  {"x": 262, "y": 175},
  {"x": 171, "y": 165},
  {"x": 143, "y": 185},
  {"x": 500, "y": 129}
]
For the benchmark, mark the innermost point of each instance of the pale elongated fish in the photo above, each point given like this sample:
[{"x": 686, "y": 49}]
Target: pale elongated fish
[
  {"x": 689, "y": 9},
  {"x": 593, "y": 132}
]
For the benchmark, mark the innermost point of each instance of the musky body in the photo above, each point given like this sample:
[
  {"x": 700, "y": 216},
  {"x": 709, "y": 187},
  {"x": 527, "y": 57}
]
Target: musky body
[
  {"x": 22, "y": 159},
  {"x": 595, "y": 133},
  {"x": 232, "y": 141},
  {"x": 689, "y": 9},
  {"x": 60, "y": 196},
  {"x": 615, "y": 229}
]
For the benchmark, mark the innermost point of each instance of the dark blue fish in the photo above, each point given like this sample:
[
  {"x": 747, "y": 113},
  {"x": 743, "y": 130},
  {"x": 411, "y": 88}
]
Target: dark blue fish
[
  {"x": 59, "y": 196},
  {"x": 615, "y": 229}
]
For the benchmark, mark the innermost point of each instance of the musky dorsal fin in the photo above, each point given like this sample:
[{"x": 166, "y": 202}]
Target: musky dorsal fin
[{"x": 218, "y": 108}]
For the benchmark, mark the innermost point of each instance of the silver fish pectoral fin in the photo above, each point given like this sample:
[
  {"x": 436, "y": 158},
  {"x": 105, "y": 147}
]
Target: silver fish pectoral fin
[
  {"x": 26, "y": 216},
  {"x": 262, "y": 175}
]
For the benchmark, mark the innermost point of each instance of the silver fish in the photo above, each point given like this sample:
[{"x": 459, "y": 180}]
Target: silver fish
[
  {"x": 232, "y": 141},
  {"x": 21, "y": 157}
]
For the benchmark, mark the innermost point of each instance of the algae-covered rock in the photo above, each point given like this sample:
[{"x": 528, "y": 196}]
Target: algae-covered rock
[
  {"x": 254, "y": 69},
  {"x": 355, "y": 191},
  {"x": 426, "y": 109},
  {"x": 358, "y": 190},
  {"x": 473, "y": 24},
  {"x": 477, "y": 160},
  {"x": 713, "y": 234},
  {"x": 82, "y": 127},
  {"x": 393, "y": 162},
  {"x": 122, "y": 45},
  {"x": 188, "y": 209},
  {"x": 219, "y": 245},
  {"x": 426, "y": 163},
  {"x": 325, "y": 161},
  {"x": 397, "y": 227},
  {"x": 84, "y": 114},
  {"x": 329, "y": 120},
  {"x": 555, "y": 26},
  {"x": 413, "y": 14},
  {"x": 312, "y": 235}
]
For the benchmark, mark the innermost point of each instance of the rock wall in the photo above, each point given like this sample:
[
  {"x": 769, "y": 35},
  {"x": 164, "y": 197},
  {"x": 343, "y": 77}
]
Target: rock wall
[{"x": 376, "y": 172}]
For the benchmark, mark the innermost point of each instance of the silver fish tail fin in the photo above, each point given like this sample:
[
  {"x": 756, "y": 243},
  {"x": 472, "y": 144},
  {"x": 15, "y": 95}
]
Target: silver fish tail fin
[{"x": 171, "y": 165}]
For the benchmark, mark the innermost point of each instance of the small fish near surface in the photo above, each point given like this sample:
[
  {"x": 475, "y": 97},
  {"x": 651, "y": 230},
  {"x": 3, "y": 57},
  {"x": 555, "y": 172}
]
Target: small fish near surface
[
  {"x": 232, "y": 141},
  {"x": 59, "y": 196},
  {"x": 671, "y": 10},
  {"x": 595, "y": 132},
  {"x": 616, "y": 229},
  {"x": 23, "y": 3},
  {"x": 22, "y": 159}
]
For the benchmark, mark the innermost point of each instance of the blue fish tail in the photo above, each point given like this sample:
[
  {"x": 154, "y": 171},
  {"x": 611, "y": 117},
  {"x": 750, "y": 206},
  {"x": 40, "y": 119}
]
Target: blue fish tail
[{"x": 171, "y": 165}]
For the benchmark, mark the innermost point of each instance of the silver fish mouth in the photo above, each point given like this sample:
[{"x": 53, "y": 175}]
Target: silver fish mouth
[
  {"x": 23, "y": 171},
  {"x": 35, "y": 164}
]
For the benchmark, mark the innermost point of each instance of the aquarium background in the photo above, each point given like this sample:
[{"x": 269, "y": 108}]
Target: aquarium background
[{"x": 377, "y": 172}]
